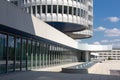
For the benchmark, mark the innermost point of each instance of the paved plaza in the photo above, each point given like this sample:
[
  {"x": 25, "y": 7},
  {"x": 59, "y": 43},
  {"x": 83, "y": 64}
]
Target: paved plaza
[
  {"x": 100, "y": 71},
  {"x": 105, "y": 67}
]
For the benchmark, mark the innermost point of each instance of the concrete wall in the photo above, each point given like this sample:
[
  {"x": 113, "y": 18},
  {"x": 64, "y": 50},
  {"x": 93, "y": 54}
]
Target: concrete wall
[
  {"x": 88, "y": 47},
  {"x": 14, "y": 17}
]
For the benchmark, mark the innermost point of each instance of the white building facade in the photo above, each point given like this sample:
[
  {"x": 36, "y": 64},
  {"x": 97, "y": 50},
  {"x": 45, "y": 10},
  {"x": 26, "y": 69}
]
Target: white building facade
[{"x": 109, "y": 55}]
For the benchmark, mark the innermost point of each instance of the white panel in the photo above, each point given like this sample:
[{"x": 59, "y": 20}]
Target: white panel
[
  {"x": 65, "y": 2},
  {"x": 74, "y": 19},
  {"x": 74, "y": 3},
  {"x": 49, "y": 17},
  {"x": 37, "y": 0},
  {"x": 43, "y": 17},
  {"x": 95, "y": 47},
  {"x": 70, "y": 2},
  {"x": 43, "y": 1},
  {"x": 54, "y": 2},
  {"x": 70, "y": 18},
  {"x": 59, "y": 17},
  {"x": 60, "y": 2},
  {"x": 65, "y": 18},
  {"x": 54, "y": 17},
  {"x": 49, "y": 1}
]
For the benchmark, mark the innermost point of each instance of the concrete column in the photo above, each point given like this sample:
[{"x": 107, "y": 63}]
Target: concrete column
[{"x": 87, "y": 56}]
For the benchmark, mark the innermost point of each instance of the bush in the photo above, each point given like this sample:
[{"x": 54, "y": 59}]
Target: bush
[{"x": 109, "y": 58}]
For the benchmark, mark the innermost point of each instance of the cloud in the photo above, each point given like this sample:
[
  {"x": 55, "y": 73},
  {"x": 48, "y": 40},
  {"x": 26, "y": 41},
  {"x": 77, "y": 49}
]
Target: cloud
[
  {"x": 104, "y": 41},
  {"x": 114, "y": 42},
  {"x": 100, "y": 28},
  {"x": 110, "y": 41},
  {"x": 78, "y": 40},
  {"x": 113, "y": 19},
  {"x": 112, "y": 32},
  {"x": 96, "y": 43},
  {"x": 116, "y": 45}
]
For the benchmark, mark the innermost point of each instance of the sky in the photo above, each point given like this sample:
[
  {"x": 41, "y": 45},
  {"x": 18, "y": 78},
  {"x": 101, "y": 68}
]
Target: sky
[{"x": 106, "y": 23}]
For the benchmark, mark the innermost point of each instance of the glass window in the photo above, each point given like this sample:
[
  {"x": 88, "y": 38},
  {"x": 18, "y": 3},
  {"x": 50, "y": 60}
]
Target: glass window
[
  {"x": 18, "y": 53},
  {"x": 33, "y": 8},
  {"x": 60, "y": 9},
  {"x": 54, "y": 8},
  {"x": 25, "y": 1},
  {"x": 44, "y": 54},
  {"x": 29, "y": 55},
  {"x": 65, "y": 9},
  {"x": 90, "y": 17},
  {"x": 11, "y": 53},
  {"x": 74, "y": 11},
  {"x": 90, "y": 8},
  {"x": 43, "y": 9},
  {"x": 70, "y": 10},
  {"x": 38, "y": 9},
  {"x": 37, "y": 54},
  {"x": 78, "y": 12},
  {"x": 3, "y": 42},
  {"x": 49, "y": 9},
  {"x": 41, "y": 54},
  {"x": 82, "y": 12},
  {"x": 48, "y": 57},
  {"x": 24, "y": 53},
  {"x": 51, "y": 55},
  {"x": 34, "y": 54},
  {"x": 29, "y": 10},
  {"x": 14, "y": 2}
]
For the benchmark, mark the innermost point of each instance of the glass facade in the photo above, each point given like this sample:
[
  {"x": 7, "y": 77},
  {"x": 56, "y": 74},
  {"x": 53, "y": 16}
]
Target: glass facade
[
  {"x": 17, "y": 53},
  {"x": 21, "y": 53},
  {"x": 3, "y": 43},
  {"x": 11, "y": 53}
]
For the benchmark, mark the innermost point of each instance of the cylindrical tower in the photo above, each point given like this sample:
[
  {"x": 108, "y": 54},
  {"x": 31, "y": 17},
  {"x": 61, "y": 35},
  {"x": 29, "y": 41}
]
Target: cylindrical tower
[{"x": 73, "y": 17}]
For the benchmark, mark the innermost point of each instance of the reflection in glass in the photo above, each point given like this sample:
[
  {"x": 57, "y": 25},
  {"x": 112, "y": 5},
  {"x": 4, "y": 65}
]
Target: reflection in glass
[
  {"x": 11, "y": 53},
  {"x": 2, "y": 53},
  {"x": 24, "y": 44},
  {"x": 29, "y": 55},
  {"x": 37, "y": 55},
  {"x": 18, "y": 53},
  {"x": 34, "y": 54}
]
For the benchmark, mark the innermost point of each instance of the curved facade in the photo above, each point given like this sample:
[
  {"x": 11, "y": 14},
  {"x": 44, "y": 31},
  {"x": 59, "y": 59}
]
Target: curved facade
[{"x": 68, "y": 16}]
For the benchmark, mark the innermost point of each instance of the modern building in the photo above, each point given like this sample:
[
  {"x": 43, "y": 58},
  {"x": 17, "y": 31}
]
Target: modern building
[
  {"x": 113, "y": 54},
  {"x": 95, "y": 50},
  {"x": 46, "y": 36},
  {"x": 73, "y": 17}
]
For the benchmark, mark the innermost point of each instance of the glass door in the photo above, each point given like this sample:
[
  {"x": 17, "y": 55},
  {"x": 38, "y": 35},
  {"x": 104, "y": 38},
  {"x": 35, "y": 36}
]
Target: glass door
[
  {"x": 29, "y": 55},
  {"x": 18, "y": 54},
  {"x": 24, "y": 55},
  {"x": 11, "y": 53},
  {"x": 3, "y": 39}
]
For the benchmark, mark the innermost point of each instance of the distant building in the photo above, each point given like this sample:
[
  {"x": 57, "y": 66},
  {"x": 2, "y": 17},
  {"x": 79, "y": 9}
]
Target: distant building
[{"x": 114, "y": 54}]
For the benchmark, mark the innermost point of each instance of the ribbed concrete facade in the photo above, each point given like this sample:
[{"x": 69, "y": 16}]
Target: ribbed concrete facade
[{"x": 73, "y": 17}]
